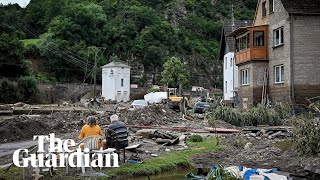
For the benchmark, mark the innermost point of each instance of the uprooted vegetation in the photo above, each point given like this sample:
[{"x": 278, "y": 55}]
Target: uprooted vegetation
[
  {"x": 259, "y": 115},
  {"x": 307, "y": 136}
]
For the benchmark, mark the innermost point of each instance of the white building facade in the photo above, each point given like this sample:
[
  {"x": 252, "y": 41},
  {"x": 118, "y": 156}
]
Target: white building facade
[
  {"x": 230, "y": 76},
  {"x": 116, "y": 82},
  {"x": 227, "y": 56}
]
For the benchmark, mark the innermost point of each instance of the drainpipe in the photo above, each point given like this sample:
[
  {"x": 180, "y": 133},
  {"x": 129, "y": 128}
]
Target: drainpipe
[
  {"x": 292, "y": 66},
  {"x": 233, "y": 89},
  {"x": 291, "y": 58}
]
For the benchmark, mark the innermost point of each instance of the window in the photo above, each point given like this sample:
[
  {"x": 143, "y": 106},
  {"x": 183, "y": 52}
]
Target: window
[
  {"x": 231, "y": 62},
  {"x": 121, "y": 82},
  {"x": 279, "y": 74},
  {"x": 226, "y": 63},
  {"x": 226, "y": 90},
  {"x": 243, "y": 42},
  {"x": 271, "y": 6},
  {"x": 258, "y": 37},
  {"x": 264, "y": 9},
  {"x": 278, "y": 37},
  {"x": 245, "y": 77}
]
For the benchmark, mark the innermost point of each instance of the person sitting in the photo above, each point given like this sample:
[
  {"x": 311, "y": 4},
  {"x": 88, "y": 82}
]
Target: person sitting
[
  {"x": 91, "y": 128},
  {"x": 117, "y": 133}
]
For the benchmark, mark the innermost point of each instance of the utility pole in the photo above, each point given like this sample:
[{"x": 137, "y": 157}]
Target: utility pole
[
  {"x": 96, "y": 51},
  {"x": 94, "y": 76}
]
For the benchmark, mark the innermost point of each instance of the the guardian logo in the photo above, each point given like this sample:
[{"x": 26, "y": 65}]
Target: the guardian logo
[{"x": 54, "y": 152}]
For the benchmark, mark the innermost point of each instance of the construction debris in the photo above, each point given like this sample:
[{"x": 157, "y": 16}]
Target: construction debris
[
  {"x": 25, "y": 126},
  {"x": 151, "y": 115}
]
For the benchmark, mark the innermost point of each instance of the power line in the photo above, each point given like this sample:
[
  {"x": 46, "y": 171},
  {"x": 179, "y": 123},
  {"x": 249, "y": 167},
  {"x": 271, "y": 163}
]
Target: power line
[
  {"x": 62, "y": 54},
  {"x": 36, "y": 34},
  {"x": 66, "y": 54}
]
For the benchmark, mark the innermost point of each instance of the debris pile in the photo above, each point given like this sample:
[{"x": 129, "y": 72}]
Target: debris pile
[
  {"x": 151, "y": 115},
  {"x": 25, "y": 126},
  {"x": 269, "y": 132},
  {"x": 160, "y": 137}
]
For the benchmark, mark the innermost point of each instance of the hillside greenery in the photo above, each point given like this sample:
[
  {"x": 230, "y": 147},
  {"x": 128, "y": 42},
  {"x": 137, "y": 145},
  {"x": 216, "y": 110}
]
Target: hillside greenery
[{"x": 136, "y": 31}]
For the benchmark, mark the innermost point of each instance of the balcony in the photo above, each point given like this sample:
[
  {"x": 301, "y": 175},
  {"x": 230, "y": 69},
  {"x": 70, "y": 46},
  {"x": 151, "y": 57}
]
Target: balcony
[
  {"x": 251, "y": 43},
  {"x": 252, "y": 54}
]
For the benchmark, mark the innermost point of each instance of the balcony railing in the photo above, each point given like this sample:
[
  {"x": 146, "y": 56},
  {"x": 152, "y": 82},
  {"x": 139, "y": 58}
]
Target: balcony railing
[{"x": 251, "y": 54}]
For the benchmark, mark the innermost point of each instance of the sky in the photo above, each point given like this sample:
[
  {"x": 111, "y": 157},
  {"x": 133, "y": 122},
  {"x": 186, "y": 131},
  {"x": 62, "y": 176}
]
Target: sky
[{"x": 22, "y": 3}]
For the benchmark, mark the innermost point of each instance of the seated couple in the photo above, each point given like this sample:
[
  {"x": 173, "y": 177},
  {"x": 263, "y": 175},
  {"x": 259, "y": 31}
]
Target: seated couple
[{"x": 116, "y": 133}]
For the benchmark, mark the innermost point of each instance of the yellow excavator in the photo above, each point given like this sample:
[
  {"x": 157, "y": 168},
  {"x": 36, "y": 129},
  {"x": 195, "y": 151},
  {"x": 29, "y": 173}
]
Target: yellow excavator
[{"x": 176, "y": 102}]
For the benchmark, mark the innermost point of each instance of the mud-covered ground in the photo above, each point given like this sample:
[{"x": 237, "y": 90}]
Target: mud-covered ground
[
  {"x": 18, "y": 131},
  {"x": 262, "y": 153}
]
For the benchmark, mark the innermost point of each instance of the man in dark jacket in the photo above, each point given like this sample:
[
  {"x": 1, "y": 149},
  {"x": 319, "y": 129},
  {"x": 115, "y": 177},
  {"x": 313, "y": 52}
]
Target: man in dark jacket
[{"x": 117, "y": 133}]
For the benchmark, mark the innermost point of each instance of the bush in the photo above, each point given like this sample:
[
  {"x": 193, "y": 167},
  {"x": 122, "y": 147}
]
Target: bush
[
  {"x": 259, "y": 115},
  {"x": 9, "y": 92},
  {"x": 227, "y": 114},
  {"x": 28, "y": 88},
  {"x": 28, "y": 71},
  {"x": 306, "y": 133},
  {"x": 283, "y": 111},
  {"x": 45, "y": 78},
  {"x": 196, "y": 138}
]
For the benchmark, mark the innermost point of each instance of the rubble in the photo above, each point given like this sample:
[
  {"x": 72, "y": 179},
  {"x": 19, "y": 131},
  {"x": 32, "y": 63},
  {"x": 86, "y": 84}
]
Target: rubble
[
  {"x": 151, "y": 115},
  {"x": 25, "y": 126}
]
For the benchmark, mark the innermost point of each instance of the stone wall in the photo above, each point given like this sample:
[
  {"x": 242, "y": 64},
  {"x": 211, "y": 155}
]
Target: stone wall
[
  {"x": 280, "y": 55},
  {"x": 250, "y": 95},
  {"x": 56, "y": 93},
  {"x": 306, "y": 53}
]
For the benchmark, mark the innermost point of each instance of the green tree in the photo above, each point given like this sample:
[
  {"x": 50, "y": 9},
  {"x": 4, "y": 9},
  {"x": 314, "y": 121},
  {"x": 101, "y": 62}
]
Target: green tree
[
  {"x": 80, "y": 22},
  {"x": 9, "y": 92},
  {"x": 28, "y": 88},
  {"x": 11, "y": 49},
  {"x": 175, "y": 73}
]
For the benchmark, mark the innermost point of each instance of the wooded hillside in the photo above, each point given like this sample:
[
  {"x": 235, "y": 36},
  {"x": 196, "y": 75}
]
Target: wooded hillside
[{"x": 142, "y": 33}]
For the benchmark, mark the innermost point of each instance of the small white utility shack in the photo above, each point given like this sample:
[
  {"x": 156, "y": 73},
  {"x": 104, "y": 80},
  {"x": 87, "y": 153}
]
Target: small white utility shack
[{"x": 116, "y": 82}]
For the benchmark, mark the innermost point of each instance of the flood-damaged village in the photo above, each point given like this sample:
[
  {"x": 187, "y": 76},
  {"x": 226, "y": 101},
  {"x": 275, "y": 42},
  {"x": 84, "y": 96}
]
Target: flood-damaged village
[{"x": 160, "y": 89}]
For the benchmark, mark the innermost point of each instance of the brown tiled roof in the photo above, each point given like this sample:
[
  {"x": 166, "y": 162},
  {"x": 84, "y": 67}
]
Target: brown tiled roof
[{"x": 302, "y": 6}]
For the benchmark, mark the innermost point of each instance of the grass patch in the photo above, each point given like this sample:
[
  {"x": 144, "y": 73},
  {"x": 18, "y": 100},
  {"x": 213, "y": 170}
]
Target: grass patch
[
  {"x": 13, "y": 173},
  {"x": 27, "y": 42},
  {"x": 165, "y": 162}
]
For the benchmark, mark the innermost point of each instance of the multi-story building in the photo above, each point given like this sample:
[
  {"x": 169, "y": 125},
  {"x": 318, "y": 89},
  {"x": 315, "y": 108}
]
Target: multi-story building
[
  {"x": 227, "y": 53},
  {"x": 278, "y": 56}
]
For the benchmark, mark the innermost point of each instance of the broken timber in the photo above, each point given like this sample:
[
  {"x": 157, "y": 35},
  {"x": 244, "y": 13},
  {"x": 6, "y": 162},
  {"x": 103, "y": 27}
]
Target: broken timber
[{"x": 186, "y": 129}]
